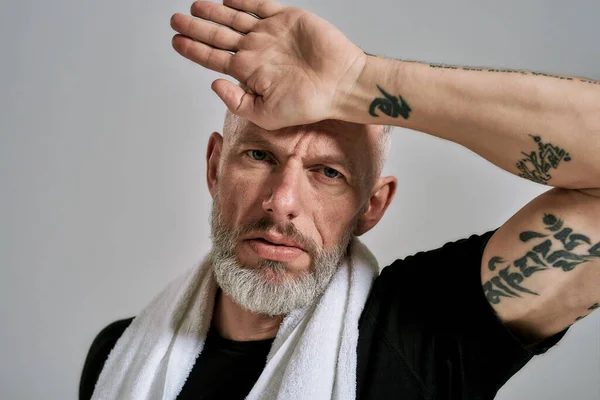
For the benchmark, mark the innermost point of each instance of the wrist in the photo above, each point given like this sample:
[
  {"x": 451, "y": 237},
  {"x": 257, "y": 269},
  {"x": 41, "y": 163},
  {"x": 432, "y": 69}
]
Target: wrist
[
  {"x": 344, "y": 102},
  {"x": 377, "y": 74}
]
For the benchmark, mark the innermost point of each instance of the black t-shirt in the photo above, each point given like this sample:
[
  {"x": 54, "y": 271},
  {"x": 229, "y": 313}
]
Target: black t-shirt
[
  {"x": 427, "y": 333},
  {"x": 225, "y": 369}
]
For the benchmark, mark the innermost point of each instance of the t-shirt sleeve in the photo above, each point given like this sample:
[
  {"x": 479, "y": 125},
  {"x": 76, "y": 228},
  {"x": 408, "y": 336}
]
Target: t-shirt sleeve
[
  {"x": 432, "y": 308},
  {"x": 97, "y": 355}
]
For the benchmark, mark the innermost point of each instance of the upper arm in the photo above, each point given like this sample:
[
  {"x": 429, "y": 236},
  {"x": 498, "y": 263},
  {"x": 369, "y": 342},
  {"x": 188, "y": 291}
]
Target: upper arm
[
  {"x": 541, "y": 270},
  {"x": 429, "y": 312}
]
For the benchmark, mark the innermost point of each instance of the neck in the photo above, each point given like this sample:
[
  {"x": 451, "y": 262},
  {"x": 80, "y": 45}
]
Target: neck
[{"x": 236, "y": 323}]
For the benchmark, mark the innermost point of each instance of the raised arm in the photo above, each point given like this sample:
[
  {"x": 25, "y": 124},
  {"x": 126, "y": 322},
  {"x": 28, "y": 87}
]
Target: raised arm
[
  {"x": 301, "y": 69},
  {"x": 541, "y": 270},
  {"x": 540, "y": 127}
]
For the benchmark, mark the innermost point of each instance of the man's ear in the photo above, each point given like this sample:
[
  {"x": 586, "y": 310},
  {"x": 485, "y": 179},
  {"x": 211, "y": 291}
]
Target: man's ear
[
  {"x": 213, "y": 157},
  {"x": 381, "y": 197}
]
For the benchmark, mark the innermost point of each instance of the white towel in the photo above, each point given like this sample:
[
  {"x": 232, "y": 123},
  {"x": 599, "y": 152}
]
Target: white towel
[{"x": 313, "y": 355}]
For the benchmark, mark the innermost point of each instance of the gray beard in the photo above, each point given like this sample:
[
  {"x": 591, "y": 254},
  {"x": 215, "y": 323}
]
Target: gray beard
[{"x": 268, "y": 288}]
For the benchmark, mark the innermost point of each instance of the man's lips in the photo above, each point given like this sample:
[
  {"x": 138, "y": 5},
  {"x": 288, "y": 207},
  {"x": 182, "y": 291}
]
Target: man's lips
[
  {"x": 277, "y": 240},
  {"x": 276, "y": 248}
]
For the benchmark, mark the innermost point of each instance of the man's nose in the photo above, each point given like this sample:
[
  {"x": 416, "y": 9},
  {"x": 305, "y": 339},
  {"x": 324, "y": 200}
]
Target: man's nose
[{"x": 282, "y": 200}]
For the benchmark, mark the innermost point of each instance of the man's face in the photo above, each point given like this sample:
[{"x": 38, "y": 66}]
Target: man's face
[{"x": 285, "y": 205}]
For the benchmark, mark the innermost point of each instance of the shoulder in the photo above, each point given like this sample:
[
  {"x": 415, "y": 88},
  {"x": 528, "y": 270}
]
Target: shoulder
[
  {"x": 418, "y": 313},
  {"x": 97, "y": 355},
  {"x": 435, "y": 275},
  {"x": 436, "y": 292},
  {"x": 430, "y": 312}
]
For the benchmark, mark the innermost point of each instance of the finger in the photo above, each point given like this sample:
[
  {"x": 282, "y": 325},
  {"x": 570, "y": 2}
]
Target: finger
[
  {"x": 237, "y": 100},
  {"x": 237, "y": 20},
  {"x": 211, "y": 34},
  {"x": 203, "y": 54},
  {"x": 262, "y": 8}
]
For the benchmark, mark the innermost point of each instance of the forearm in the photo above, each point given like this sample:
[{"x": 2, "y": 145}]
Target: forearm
[{"x": 543, "y": 128}]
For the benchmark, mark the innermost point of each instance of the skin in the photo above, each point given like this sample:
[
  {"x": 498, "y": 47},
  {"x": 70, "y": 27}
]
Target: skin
[
  {"x": 542, "y": 127},
  {"x": 297, "y": 85},
  {"x": 291, "y": 185}
]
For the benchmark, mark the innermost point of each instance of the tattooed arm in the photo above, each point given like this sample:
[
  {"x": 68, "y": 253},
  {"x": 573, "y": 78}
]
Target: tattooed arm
[
  {"x": 541, "y": 127},
  {"x": 541, "y": 269},
  {"x": 300, "y": 69}
]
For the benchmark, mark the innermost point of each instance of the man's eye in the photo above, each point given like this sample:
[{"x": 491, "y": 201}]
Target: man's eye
[
  {"x": 258, "y": 155},
  {"x": 331, "y": 173}
]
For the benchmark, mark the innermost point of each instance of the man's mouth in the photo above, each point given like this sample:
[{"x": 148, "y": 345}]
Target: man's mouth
[
  {"x": 275, "y": 248},
  {"x": 267, "y": 242},
  {"x": 277, "y": 240}
]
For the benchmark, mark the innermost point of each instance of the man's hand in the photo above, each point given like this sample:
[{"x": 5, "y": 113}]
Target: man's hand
[{"x": 299, "y": 67}]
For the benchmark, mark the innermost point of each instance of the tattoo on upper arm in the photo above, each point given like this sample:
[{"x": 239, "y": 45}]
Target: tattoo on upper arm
[
  {"x": 558, "y": 247},
  {"x": 392, "y": 106},
  {"x": 537, "y": 164}
]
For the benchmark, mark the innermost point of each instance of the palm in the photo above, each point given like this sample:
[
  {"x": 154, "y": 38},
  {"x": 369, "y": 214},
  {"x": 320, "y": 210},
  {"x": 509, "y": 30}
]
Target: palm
[{"x": 296, "y": 63}]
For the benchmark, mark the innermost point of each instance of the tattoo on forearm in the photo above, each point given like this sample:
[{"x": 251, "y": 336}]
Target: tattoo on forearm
[
  {"x": 592, "y": 308},
  {"x": 590, "y": 81},
  {"x": 558, "y": 247},
  {"x": 464, "y": 68},
  {"x": 514, "y": 71},
  {"x": 392, "y": 106},
  {"x": 537, "y": 164}
]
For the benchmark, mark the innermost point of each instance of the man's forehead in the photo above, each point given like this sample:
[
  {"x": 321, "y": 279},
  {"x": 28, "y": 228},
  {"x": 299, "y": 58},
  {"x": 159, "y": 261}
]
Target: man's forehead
[{"x": 345, "y": 136}]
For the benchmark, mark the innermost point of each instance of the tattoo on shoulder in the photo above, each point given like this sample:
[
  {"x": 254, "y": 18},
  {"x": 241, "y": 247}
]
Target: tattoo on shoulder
[
  {"x": 392, "y": 106},
  {"x": 558, "y": 246},
  {"x": 536, "y": 165}
]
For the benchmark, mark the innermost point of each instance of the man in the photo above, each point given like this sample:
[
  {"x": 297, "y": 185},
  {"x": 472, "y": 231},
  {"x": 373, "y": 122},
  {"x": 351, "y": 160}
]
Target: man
[{"x": 287, "y": 305}]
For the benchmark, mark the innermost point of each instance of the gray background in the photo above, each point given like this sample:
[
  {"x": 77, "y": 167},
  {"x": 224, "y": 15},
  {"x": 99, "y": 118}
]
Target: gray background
[{"x": 103, "y": 131}]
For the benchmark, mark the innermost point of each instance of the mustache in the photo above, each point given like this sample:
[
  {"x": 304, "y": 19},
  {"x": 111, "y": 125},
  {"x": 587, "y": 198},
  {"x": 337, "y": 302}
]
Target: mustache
[{"x": 267, "y": 224}]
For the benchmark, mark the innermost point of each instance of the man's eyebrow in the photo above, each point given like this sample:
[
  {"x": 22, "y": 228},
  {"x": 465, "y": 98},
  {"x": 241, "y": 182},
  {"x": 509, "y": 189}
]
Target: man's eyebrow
[{"x": 247, "y": 138}]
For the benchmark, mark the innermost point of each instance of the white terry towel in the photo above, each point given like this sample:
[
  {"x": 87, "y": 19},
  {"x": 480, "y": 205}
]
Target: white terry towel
[{"x": 312, "y": 357}]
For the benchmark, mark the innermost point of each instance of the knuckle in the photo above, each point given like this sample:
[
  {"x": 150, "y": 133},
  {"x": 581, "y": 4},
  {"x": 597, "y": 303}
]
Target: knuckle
[
  {"x": 225, "y": 68},
  {"x": 209, "y": 58},
  {"x": 262, "y": 85},
  {"x": 234, "y": 19},
  {"x": 190, "y": 26},
  {"x": 213, "y": 34},
  {"x": 183, "y": 47},
  {"x": 210, "y": 12}
]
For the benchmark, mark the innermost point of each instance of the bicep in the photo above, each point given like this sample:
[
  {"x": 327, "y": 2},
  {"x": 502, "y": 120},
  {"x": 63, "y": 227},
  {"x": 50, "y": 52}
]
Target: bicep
[{"x": 541, "y": 270}]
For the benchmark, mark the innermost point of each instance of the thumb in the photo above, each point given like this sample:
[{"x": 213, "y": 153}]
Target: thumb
[{"x": 237, "y": 100}]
